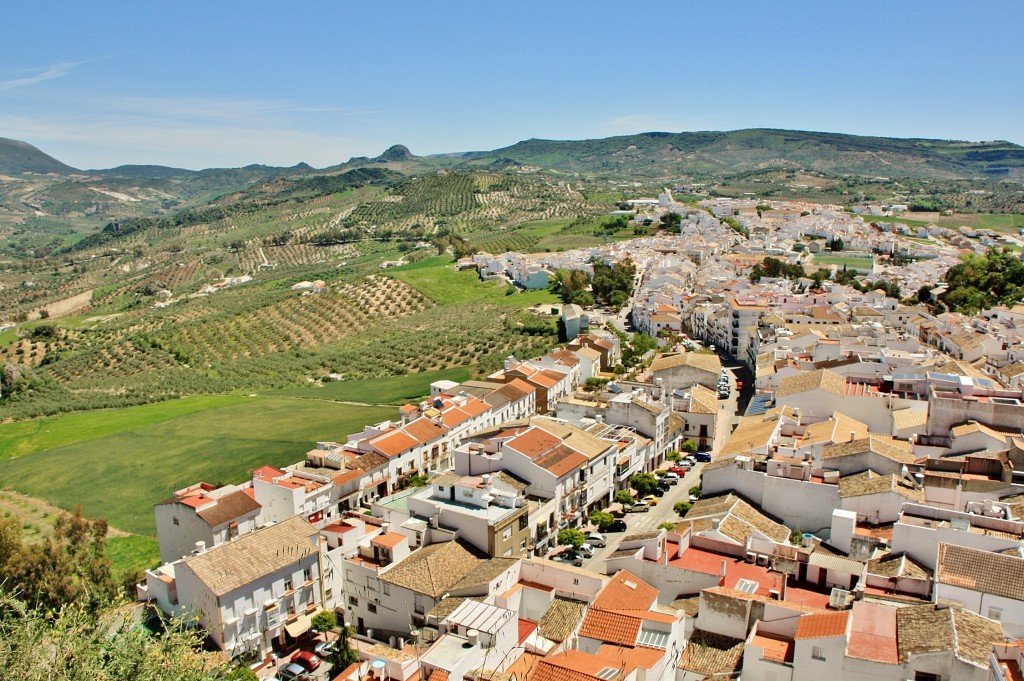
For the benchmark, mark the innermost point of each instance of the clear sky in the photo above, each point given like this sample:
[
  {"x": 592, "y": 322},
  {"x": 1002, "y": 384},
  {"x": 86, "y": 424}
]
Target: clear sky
[{"x": 223, "y": 83}]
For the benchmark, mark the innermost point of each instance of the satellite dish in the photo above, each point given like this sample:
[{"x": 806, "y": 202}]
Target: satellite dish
[{"x": 378, "y": 664}]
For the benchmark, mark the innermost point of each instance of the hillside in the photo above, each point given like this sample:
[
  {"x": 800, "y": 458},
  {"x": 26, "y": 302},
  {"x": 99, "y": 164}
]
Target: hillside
[
  {"x": 672, "y": 154},
  {"x": 21, "y": 157}
]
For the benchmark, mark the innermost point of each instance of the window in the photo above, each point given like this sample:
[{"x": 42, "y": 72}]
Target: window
[
  {"x": 926, "y": 676},
  {"x": 524, "y": 521},
  {"x": 352, "y": 600},
  {"x": 177, "y": 522},
  {"x": 387, "y": 589},
  {"x": 467, "y": 492},
  {"x": 371, "y": 607},
  {"x": 307, "y": 574},
  {"x": 287, "y": 585},
  {"x": 817, "y": 653},
  {"x": 506, "y": 534},
  {"x": 995, "y": 614}
]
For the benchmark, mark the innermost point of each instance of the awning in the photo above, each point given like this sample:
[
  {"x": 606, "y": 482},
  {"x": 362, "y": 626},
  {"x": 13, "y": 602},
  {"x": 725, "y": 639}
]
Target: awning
[{"x": 299, "y": 627}]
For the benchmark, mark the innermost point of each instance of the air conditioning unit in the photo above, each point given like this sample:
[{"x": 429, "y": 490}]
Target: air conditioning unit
[{"x": 837, "y": 599}]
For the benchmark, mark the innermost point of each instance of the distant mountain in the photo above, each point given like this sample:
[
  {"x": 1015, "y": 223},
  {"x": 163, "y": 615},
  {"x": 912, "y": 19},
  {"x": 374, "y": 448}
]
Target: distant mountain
[
  {"x": 397, "y": 152},
  {"x": 665, "y": 154},
  {"x": 21, "y": 157},
  {"x": 144, "y": 172}
]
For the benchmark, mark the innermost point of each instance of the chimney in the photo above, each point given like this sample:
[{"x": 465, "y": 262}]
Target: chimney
[
  {"x": 721, "y": 578},
  {"x": 200, "y": 547},
  {"x": 853, "y": 436}
]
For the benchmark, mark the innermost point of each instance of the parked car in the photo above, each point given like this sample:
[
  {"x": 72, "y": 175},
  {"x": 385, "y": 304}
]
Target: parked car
[
  {"x": 596, "y": 539},
  {"x": 569, "y": 557},
  {"x": 704, "y": 457},
  {"x": 639, "y": 507},
  {"x": 326, "y": 648},
  {"x": 617, "y": 525},
  {"x": 651, "y": 500},
  {"x": 671, "y": 477},
  {"x": 660, "y": 490},
  {"x": 292, "y": 672},
  {"x": 307, "y": 660},
  {"x": 586, "y": 550},
  {"x": 692, "y": 458},
  {"x": 739, "y": 385},
  {"x": 682, "y": 468}
]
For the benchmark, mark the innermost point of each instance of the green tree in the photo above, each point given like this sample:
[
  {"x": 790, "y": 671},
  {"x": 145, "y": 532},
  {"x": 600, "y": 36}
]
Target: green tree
[
  {"x": 601, "y": 519},
  {"x": 837, "y": 244},
  {"x": 695, "y": 491},
  {"x": 674, "y": 456},
  {"x": 571, "y": 537},
  {"x": 682, "y": 507},
  {"x": 618, "y": 298},
  {"x": 667, "y": 526},
  {"x": 342, "y": 655},
  {"x": 323, "y": 621},
  {"x": 672, "y": 222},
  {"x": 689, "y": 446},
  {"x": 623, "y": 497},
  {"x": 644, "y": 483}
]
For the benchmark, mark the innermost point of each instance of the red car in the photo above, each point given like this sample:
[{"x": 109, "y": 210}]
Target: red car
[
  {"x": 306, "y": 660},
  {"x": 679, "y": 470}
]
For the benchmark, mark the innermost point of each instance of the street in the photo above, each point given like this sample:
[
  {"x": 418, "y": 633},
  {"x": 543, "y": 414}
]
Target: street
[{"x": 641, "y": 522}]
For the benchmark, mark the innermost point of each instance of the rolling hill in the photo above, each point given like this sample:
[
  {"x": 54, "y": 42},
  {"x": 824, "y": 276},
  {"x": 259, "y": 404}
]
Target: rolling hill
[
  {"x": 21, "y": 157},
  {"x": 715, "y": 153}
]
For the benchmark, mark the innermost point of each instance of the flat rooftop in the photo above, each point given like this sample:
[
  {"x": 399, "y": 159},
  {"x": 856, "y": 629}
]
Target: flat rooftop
[{"x": 710, "y": 563}]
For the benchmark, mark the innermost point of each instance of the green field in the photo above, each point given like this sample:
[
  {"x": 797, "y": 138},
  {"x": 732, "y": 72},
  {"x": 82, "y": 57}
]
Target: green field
[
  {"x": 445, "y": 286},
  {"x": 852, "y": 262},
  {"x": 133, "y": 553},
  {"x": 388, "y": 390},
  {"x": 119, "y": 469}
]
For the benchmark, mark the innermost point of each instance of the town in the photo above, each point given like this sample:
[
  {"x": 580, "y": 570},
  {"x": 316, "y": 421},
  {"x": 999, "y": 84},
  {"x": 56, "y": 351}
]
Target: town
[{"x": 804, "y": 474}]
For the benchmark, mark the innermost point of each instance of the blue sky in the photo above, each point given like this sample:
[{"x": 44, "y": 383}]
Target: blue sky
[{"x": 200, "y": 84}]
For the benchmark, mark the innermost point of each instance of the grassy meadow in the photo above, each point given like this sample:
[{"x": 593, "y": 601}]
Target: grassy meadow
[{"x": 389, "y": 390}]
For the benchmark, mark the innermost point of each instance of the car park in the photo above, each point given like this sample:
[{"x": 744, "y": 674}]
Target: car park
[
  {"x": 596, "y": 539},
  {"x": 307, "y": 660}
]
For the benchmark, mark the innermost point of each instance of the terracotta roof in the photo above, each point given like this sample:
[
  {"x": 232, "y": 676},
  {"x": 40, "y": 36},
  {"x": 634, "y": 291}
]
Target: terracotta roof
[
  {"x": 561, "y": 618},
  {"x": 261, "y": 552},
  {"x": 738, "y": 519},
  {"x": 394, "y": 443},
  {"x": 228, "y": 508},
  {"x": 753, "y": 432},
  {"x": 990, "y": 573},
  {"x": 424, "y": 430},
  {"x": 483, "y": 573},
  {"x": 389, "y": 540},
  {"x": 561, "y": 461},
  {"x": 611, "y": 627},
  {"x": 821, "y": 379},
  {"x": 703, "y": 400},
  {"x": 626, "y": 592},
  {"x": 824, "y": 625},
  {"x": 586, "y": 443},
  {"x": 534, "y": 442},
  {"x": 438, "y": 675},
  {"x": 367, "y": 461},
  {"x": 433, "y": 570}
]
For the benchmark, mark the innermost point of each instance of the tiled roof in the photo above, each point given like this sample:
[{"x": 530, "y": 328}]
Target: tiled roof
[
  {"x": 261, "y": 552},
  {"x": 434, "y": 569},
  {"x": 711, "y": 654},
  {"x": 534, "y": 442},
  {"x": 394, "y": 443},
  {"x": 990, "y": 573},
  {"x": 824, "y": 625},
  {"x": 870, "y": 482},
  {"x": 821, "y": 379},
  {"x": 868, "y": 444},
  {"x": 704, "y": 361},
  {"x": 424, "y": 430},
  {"x": 561, "y": 618},
  {"x": 738, "y": 519},
  {"x": 485, "y": 572},
  {"x": 898, "y": 565},
  {"x": 626, "y": 592},
  {"x": 611, "y": 627},
  {"x": 909, "y": 418},
  {"x": 703, "y": 400},
  {"x": 228, "y": 508},
  {"x": 829, "y": 561},
  {"x": 753, "y": 432},
  {"x": 930, "y": 628},
  {"x": 561, "y": 461},
  {"x": 586, "y": 443}
]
